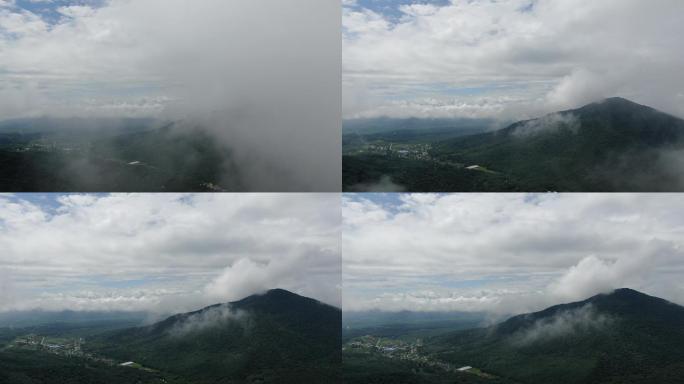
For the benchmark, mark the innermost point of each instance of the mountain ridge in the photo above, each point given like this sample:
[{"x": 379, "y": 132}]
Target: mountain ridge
[
  {"x": 613, "y": 145},
  {"x": 624, "y": 336},
  {"x": 277, "y": 336}
]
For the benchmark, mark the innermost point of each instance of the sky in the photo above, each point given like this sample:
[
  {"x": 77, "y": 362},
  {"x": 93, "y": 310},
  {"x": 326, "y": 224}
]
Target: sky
[
  {"x": 165, "y": 253},
  {"x": 262, "y": 75},
  {"x": 506, "y": 254},
  {"x": 508, "y": 59}
]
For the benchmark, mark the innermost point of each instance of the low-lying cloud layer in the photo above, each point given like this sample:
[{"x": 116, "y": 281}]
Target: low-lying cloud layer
[
  {"x": 262, "y": 76},
  {"x": 510, "y": 253},
  {"x": 165, "y": 252},
  {"x": 512, "y": 59}
]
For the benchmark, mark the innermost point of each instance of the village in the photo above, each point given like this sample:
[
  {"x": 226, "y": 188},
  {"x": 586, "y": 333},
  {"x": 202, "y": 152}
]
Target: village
[
  {"x": 404, "y": 151},
  {"x": 407, "y": 351},
  {"x": 66, "y": 347},
  {"x": 416, "y": 152}
]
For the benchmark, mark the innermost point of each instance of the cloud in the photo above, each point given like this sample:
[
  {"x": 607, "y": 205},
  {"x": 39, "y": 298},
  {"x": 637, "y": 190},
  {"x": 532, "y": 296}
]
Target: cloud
[
  {"x": 261, "y": 76},
  {"x": 211, "y": 317},
  {"x": 506, "y": 253},
  {"x": 7, "y": 294},
  {"x": 562, "y": 324},
  {"x": 248, "y": 276},
  {"x": 20, "y": 24},
  {"x": 165, "y": 252},
  {"x": 461, "y": 52},
  {"x": 549, "y": 123},
  {"x": 593, "y": 275},
  {"x": 156, "y": 299}
]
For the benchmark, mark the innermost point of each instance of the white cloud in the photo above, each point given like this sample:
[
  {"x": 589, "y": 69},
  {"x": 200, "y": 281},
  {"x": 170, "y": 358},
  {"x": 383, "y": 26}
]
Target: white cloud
[
  {"x": 21, "y": 24},
  {"x": 563, "y": 324},
  {"x": 76, "y": 11},
  {"x": 553, "y": 121},
  {"x": 549, "y": 54},
  {"x": 165, "y": 252},
  {"x": 211, "y": 317},
  {"x": 507, "y": 253}
]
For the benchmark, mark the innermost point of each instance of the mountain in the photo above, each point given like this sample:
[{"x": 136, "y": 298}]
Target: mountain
[
  {"x": 612, "y": 145},
  {"x": 274, "y": 337},
  {"x": 621, "y": 337}
]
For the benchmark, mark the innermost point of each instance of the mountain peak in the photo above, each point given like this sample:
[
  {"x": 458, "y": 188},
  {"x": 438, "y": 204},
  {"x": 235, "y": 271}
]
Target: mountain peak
[
  {"x": 279, "y": 301},
  {"x": 619, "y": 104},
  {"x": 618, "y": 100},
  {"x": 279, "y": 292},
  {"x": 630, "y": 300},
  {"x": 627, "y": 292},
  {"x": 272, "y": 295},
  {"x": 624, "y": 294}
]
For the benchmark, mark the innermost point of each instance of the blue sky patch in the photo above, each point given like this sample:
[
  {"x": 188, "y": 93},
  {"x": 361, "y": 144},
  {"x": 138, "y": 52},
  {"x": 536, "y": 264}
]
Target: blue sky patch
[
  {"x": 390, "y": 8},
  {"x": 48, "y": 9}
]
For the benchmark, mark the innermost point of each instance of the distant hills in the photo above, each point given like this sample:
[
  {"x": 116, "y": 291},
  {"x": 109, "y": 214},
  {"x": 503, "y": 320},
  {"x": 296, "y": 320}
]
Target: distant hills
[
  {"x": 621, "y": 337},
  {"x": 77, "y": 125},
  {"x": 405, "y": 323},
  {"x": 612, "y": 145},
  {"x": 37, "y": 318},
  {"x": 455, "y": 126}
]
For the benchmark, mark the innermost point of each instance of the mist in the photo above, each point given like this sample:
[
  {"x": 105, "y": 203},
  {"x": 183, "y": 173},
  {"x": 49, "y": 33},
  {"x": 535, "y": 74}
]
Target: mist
[
  {"x": 208, "y": 318},
  {"x": 563, "y": 324},
  {"x": 261, "y": 77},
  {"x": 554, "y": 122}
]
